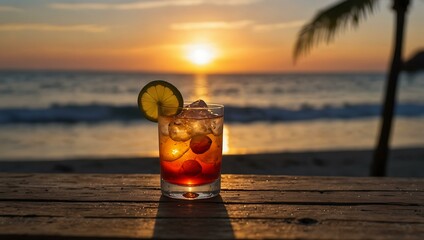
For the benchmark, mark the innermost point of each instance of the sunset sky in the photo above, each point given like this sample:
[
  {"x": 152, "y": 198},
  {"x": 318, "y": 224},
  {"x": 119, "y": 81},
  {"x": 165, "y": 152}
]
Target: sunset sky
[{"x": 177, "y": 35}]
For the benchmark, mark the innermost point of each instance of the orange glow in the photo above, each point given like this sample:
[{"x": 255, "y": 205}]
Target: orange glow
[{"x": 259, "y": 38}]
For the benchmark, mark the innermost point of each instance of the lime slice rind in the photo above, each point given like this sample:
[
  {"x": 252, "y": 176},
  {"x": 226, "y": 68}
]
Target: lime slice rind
[{"x": 159, "y": 93}]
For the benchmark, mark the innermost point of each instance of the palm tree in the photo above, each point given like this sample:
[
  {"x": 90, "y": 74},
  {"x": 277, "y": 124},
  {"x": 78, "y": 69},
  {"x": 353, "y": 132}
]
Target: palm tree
[{"x": 349, "y": 13}]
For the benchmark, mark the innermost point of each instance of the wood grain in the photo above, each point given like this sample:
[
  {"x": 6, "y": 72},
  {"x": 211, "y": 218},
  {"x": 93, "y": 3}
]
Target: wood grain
[
  {"x": 229, "y": 182},
  {"x": 205, "y": 228},
  {"x": 378, "y": 213},
  {"x": 95, "y": 206}
]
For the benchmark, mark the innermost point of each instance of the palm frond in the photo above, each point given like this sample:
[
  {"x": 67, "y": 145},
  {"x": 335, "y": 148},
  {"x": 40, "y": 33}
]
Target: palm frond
[{"x": 330, "y": 21}]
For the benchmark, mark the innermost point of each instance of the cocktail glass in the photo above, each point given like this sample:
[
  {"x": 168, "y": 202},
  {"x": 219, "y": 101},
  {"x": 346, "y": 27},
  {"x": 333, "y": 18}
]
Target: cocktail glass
[{"x": 190, "y": 150}]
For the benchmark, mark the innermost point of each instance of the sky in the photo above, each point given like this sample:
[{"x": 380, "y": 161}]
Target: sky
[{"x": 213, "y": 36}]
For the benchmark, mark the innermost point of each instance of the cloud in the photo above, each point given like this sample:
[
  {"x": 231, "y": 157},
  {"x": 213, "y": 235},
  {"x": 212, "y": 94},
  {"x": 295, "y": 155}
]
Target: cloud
[
  {"x": 230, "y": 2},
  {"x": 9, "y": 9},
  {"x": 275, "y": 26},
  {"x": 211, "y": 25},
  {"x": 146, "y": 5},
  {"x": 53, "y": 28},
  {"x": 223, "y": 25}
]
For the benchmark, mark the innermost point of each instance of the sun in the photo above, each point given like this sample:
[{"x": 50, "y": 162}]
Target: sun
[{"x": 200, "y": 54}]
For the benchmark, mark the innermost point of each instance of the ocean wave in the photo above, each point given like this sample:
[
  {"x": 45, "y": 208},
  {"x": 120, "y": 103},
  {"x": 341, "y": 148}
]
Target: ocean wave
[{"x": 96, "y": 113}]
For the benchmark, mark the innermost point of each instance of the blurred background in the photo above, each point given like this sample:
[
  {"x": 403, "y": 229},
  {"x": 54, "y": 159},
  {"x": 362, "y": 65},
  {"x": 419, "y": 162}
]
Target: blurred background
[{"x": 70, "y": 73}]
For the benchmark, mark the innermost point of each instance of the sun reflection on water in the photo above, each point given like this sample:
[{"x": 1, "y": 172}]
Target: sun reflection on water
[
  {"x": 225, "y": 140},
  {"x": 201, "y": 88}
]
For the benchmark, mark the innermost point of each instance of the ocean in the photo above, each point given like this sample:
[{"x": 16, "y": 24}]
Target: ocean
[{"x": 69, "y": 115}]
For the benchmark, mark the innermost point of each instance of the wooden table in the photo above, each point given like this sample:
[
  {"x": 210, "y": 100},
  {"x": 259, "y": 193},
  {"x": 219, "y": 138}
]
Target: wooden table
[{"x": 90, "y": 206}]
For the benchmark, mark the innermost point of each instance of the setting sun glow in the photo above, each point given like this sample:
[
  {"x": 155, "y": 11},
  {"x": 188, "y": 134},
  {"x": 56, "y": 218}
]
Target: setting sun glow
[{"x": 200, "y": 54}]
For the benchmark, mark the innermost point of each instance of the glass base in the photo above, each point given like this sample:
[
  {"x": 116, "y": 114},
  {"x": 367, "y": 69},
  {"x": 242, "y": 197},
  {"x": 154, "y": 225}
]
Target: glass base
[{"x": 191, "y": 192}]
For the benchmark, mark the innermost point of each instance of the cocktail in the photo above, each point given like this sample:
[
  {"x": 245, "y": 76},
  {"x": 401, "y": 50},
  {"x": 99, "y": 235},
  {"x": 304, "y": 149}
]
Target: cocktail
[{"x": 190, "y": 142}]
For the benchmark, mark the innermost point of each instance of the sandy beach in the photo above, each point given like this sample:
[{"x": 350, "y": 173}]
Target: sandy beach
[{"x": 404, "y": 162}]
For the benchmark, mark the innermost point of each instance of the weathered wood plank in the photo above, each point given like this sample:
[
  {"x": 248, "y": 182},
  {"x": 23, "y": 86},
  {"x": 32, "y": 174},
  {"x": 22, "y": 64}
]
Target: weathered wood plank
[
  {"x": 92, "y": 206},
  {"x": 58, "y": 228},
  {"x": 133, "y": 194},
  {"x": 229, "y": 182},
  {"x": 178, "y": 209}
]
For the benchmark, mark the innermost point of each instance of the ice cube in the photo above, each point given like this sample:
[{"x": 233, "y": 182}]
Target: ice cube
[
  {"x": 193, "y": 120},
  {"x": 180, "y": 130},
  {"x": 198, "y": 104},
  {"x": 196, "y": 109},
  {"x": 171, "y": 151},
  {"x": 200, "y": 126},
  {"x": 216, "y": 126},
  {"x": 163, "y": 127}
]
